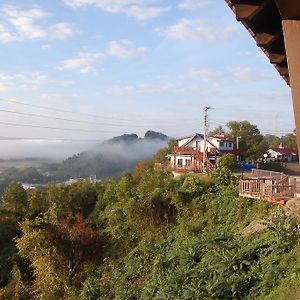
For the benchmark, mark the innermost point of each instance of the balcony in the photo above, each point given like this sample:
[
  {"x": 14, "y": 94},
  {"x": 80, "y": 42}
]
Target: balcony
[
  {"x": 186, "y": 150},
  {"x": 193, "y": 151}
]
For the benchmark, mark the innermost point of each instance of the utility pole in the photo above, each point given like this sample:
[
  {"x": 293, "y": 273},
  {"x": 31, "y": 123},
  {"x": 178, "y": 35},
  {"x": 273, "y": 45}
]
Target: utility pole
[
  {"x": 237, "y": 147},
  {"x": 237, "y": 142},
  {"x": 206, "y": 108}
]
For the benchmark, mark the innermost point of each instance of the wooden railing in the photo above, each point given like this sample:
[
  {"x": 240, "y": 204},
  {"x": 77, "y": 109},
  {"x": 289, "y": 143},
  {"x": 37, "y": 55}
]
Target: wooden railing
[
  {"x": 193, "y": 151},
  {"x": 186, "y": 150},
  {"x": 260, "y": 189},
  {"x": 195, "y": 167},
  {"x": 265, "y": 174}
]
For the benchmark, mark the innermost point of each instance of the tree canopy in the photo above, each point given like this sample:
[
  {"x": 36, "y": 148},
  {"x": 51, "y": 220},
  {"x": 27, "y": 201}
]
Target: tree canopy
[{"x": 146, "y": 236}]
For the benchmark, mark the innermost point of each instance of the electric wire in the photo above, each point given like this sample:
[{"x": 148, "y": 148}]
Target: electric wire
[
  {"x": 78, "y": 121},
  {"x": 17, "y": 138},
  {"x": 78, "y": 113},
  {"x": 54, "y": 128}
]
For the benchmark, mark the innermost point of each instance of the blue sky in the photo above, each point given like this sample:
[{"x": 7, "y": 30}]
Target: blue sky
[{"x": 120, "y": 66}]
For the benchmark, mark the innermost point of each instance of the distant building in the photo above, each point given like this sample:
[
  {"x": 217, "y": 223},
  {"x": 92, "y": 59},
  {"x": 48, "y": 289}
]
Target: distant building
[
  {"x": 34, "y": 186},
  {"x": 282, "y": 154},
  {"x": 188, "y": 155},
  {"x": 92, "y": 179}
]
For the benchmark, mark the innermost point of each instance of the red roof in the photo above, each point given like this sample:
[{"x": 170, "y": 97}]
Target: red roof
[
  {"x": 234, "y": 151},
  {"x": 284, "y": 151}
]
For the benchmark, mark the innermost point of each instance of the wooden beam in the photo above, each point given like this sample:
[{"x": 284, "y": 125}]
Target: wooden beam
[
  {"x": 283, "y": 71},
  {"x": 247, "y": 10},
  {"x": 276, "y": 58},
  {"x": 289, "y": 9},
  {"x": 266, "y": 39}
]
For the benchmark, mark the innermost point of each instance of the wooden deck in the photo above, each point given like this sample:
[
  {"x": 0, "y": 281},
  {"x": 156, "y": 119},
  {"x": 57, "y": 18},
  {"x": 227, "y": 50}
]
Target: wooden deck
[{"x": 273, "y": 187}]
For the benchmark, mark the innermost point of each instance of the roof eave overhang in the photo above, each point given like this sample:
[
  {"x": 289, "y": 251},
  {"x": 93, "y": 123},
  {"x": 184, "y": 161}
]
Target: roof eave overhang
[{"x": 263, "y": 20}]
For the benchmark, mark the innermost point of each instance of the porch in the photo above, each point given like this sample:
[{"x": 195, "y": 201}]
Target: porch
[{"x": 274, "y": 187}]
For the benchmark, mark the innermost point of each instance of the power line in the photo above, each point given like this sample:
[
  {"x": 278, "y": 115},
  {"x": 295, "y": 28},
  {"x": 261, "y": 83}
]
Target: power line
[
  {"x": 66, "y": 119},
  {"x": 78, "y": 121},
  {"x": 261, "y": 130},
  {"x": 73, "y": 112},
  {"x": 54, "y": 128},
  {"x": 6, "y": 138},
  {"x": 61, "y": 110}
]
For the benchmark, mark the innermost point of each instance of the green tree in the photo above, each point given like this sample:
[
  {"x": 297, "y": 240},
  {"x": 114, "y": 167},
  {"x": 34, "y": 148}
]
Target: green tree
[
  {"x": 250, "y": 138},
  {"x": 217, "y": 131},
  {"x": 58, "y": 251},
  {"x": 226, "y": 165},
  {"x": 271, "y": 140},
  {"x": 14, "y": 199},
  {"x": 161, "y": 155},
  {"x": 289, "y": 141}
]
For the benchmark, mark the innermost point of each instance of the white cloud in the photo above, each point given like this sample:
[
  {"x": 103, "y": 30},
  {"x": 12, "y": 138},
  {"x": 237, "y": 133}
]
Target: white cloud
[
  {"x": 84, "y": 63},
  {"x": 139, "y": 9},
  {"x": 145, "y": 88},
  {"x": 46, "y": 46},
  {"x": 214, "y": 76},
  {"x": 22, "y": 80},
  {"x": 204, "y": 73},
  {"x": 21, "y": 25},
  {"x": 197, "y": 29},
  {"x": 124, "y": 49},
  {"x": 57, "y": 96},
  {"x": 61, "y": 31},
  {"x": 251, "y": 75},
  {"x": 34, "y": 13},
  {"x": 193, "y": 4},
  {"x": 66, "y": 83},
  {"x": 145, "y": 13}
]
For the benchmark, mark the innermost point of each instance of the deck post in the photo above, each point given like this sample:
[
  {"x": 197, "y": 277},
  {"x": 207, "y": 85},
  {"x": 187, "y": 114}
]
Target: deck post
[
  {"x": 294, "y": 187},
  {"x": 262, "y": 189},
  {"x": 291, "y": 32}
]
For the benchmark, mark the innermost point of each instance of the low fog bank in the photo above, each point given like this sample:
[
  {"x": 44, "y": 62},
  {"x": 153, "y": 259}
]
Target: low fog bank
[
  {"x": 134, "y": 151},
  {"x": 52, "y": 150},
  {"x": 111, "y": 158}
]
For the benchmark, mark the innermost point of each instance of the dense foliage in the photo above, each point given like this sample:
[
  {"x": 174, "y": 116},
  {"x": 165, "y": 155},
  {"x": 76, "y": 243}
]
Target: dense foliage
[
  {"x": 252, "y": 143},
  {"x": 145, "y": 236}
]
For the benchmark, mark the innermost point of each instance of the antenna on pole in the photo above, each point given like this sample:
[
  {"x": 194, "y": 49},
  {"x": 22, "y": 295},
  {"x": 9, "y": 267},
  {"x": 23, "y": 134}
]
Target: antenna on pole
[{"x": 206, "y": 108}]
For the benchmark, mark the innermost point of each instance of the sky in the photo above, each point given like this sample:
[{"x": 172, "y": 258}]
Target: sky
[{"x": 75, "y": 72}]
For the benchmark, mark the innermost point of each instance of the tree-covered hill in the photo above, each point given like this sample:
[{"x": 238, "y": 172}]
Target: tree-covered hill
[
  {"x": 145, "y": 236},
  {"x": 111, "y": 158}
]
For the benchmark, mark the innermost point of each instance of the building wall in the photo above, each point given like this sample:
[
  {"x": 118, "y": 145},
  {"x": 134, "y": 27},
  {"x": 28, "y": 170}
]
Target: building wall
[
  {"x": 222, "y": 144},
  {"x": 183, "y": 141},
  {"x": 174, "y": 159},
  {"x": 200, "y": 145}
]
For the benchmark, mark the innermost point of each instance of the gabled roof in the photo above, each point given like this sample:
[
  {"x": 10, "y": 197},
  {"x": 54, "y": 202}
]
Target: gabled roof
[
  {"x": 192, "y": 137},
  {"x": 222, "y": 138},
  {"x": 201, "y": 136},
  {"x": 284, "y": 151}
]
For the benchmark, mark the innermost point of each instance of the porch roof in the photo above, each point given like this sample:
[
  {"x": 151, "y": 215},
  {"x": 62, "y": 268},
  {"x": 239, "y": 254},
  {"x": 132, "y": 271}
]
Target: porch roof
[{"x": 263, "y": 20}]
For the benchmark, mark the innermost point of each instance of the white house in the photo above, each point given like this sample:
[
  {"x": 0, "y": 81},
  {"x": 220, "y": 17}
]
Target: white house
[
  {"x": 282, "y": 154},
  {"x": 188, "y": 155}
]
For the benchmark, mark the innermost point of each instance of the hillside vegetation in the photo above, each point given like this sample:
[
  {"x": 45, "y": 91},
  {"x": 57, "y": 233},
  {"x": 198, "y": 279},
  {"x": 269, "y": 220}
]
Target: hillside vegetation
[{"x": 145, "y": 236}]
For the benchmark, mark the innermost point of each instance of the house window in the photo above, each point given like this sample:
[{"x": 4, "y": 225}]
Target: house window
[
  {"x": 187, "y": 162},
  {"x": 180, "y": 163},
  {"x": 230, "y": 145},
  {"x": 221, "y": 144}
]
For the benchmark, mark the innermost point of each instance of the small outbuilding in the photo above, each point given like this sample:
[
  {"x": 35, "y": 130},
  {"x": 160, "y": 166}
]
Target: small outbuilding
[{"x": 282, "y": 154}]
